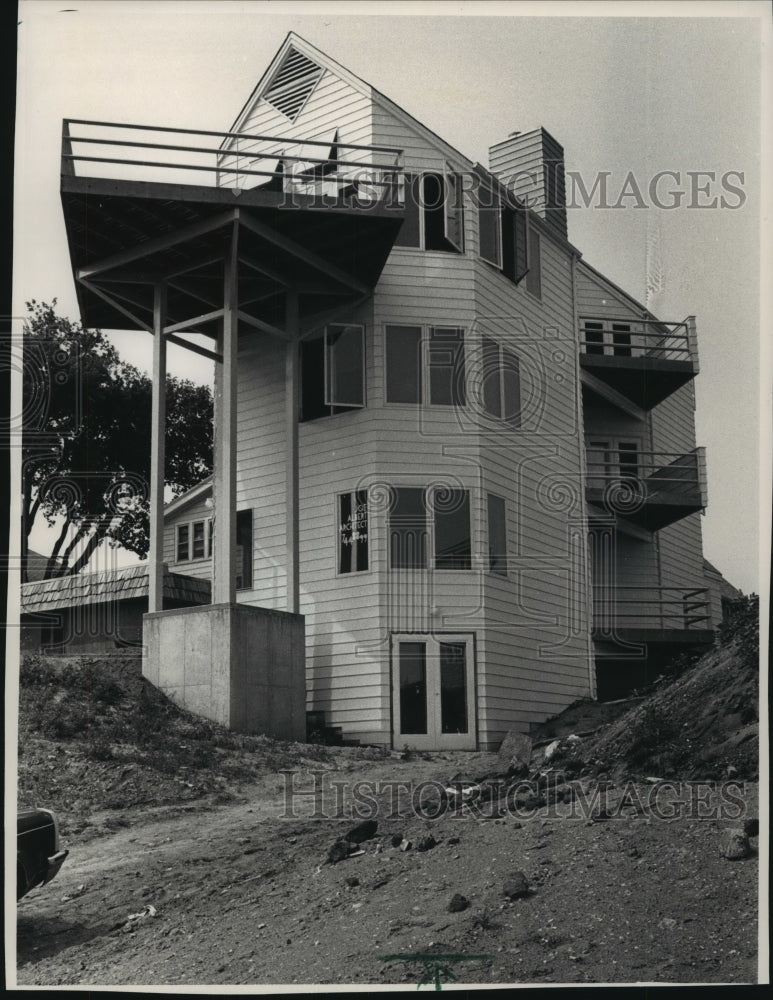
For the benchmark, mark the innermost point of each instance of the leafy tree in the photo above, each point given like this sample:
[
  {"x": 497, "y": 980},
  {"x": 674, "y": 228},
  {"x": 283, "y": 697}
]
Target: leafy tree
[{"x": 86, "y": 440}]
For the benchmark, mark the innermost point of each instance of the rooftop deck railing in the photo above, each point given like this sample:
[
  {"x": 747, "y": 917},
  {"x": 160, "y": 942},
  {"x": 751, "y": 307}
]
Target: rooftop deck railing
[
  {"x": 235, "y": 160},
  {"x": 626, "y": 338},
  {"x": 660, "y": 608}
]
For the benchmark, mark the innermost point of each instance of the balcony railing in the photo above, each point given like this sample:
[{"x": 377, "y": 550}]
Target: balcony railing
[
  {"x": 238, "y": 161},
  {"x": 652, "y": 339},
  {"x": 661, "y": 608}
]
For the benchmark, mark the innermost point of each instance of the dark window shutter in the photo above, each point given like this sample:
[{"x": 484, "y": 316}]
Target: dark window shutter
[{"x": 520, "y": 232}]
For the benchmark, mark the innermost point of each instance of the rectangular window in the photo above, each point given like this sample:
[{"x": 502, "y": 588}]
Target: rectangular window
[
  {"x": 501, "y": 383},
  {"x": 199, "y": 547},
  {"x": 332, "y": 372},
  {"x": 446, "y": 367},
  {"x": 243, "y": 549},
  {"x": 497, "y": 535},
  {"x": 453, "y": 547},
  {"x": 593, "y": 337},
  {"x": 490, "y": 230},
  {"x": 403, "y": 364},
  {"x": 534, "y": 274},
  {"x": 434, "y": 217},
  {"x": 410, "y": 231},
  {"x": 183, "y": 534},
  {"x": 413, "y": 688},
  {"x": 353, "y": 532},
  {"x": 408, "y": 529},
  {"x": 621, "y": 340}
]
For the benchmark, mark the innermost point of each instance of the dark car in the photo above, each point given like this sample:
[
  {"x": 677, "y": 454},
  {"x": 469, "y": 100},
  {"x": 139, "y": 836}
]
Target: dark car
[{"x": 38, "y": 856}]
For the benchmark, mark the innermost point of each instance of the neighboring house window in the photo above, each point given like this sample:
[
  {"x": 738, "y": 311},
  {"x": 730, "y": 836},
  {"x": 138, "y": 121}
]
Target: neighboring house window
[
  {"x": 534, "y": 274},
  {"x": 502, "y": 235},
  {"x": 194, "y": 540},
  {"x": 425, "y": 368},
  {"x": 353, "y": 531},
  {"x": 409, "y": 528},
  {"x": 501, "y": 383},
  {"x": 243, "y": 549},
  {"x": 434, "y": 217},
  {"x": 333, "y": 371},
  {"x": 497, "y": 535}
]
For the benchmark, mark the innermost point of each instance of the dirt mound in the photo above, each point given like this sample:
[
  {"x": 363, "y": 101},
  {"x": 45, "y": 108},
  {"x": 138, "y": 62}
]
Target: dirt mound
[
  {"x": 96, "y": 739},
  {"x": 702, "y": 724}
]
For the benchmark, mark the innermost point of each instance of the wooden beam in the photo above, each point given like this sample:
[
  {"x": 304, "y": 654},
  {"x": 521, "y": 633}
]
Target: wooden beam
[
  {"x": 181, "y": 342},
  {"x": 158, "y": 244},
  {"x": 142, "y": 324},
  {"x": 611, "y": 395},
  {"x": 194, "y": 321},
  {"x": 307, "y": 256},
  {"x": 291, "y": 457},
  {"x": 260, "y": 324},
  {"x": 157, "y": 455},
  {"x": 266, "y": 271},
  {"x": 224, "y": 476}
]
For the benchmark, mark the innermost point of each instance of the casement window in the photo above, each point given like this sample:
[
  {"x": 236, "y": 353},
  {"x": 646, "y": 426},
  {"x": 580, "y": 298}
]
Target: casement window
[
  {"x": 333, "y": 371},
  {"x": 497, "y": 535},
  {"x": 607, "y": 337},
  {"x": 353, "y": 531},
  {"x": 193, "y": 540},
  {"x": 534, "y": 274},
  {"x": 434, "y": 216},
  {"x": 409, "y": 528},
  {"x": 503, "y": 237},
  {"x": 430, "y": 367},
  {"x": 243, "y": 549},
  {"x": 501, "y": 383}
]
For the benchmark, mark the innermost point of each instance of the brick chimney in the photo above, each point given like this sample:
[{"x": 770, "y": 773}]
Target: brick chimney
[{"x": 531, "y": 165}]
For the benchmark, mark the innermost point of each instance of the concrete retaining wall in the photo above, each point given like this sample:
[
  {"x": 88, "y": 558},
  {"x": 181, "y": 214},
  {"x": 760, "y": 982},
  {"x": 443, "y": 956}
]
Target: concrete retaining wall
[{"x": 240, "y": 666}]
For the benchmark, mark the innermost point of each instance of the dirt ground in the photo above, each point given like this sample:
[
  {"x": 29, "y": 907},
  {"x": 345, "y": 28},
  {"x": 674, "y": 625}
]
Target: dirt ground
[{"x": 237, "y": 893}]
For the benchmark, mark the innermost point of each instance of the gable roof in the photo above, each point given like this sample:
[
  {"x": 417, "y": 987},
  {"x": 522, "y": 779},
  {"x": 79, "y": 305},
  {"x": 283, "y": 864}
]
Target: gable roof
[
  {"x": 304, "y": 48},
  {"x": 197, "y": 492}
]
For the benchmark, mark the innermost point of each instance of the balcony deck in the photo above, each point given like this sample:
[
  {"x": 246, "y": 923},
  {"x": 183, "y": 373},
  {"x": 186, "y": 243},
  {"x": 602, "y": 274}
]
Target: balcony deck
[
  {"x": 649, "y": 623},
  {"x": 644, "y": 361},
  {"x": 142, "y": 204},
  {"x": 648, "y": 489}
]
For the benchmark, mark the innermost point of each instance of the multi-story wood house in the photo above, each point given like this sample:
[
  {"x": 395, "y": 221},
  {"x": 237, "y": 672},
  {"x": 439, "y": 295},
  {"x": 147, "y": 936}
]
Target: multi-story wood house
[{"x": 465, "y": 457}]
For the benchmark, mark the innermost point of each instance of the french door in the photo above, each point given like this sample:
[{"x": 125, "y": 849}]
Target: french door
[{"x": 433, "y": 691}]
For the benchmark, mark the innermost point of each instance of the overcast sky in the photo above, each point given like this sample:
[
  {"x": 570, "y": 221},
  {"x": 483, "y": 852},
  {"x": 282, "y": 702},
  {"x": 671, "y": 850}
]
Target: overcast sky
[{"x": 622, "y": 94}]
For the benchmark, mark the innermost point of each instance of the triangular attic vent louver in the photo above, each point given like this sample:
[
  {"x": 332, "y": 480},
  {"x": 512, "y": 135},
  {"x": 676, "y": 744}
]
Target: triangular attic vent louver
[{"x": 293, "y": 83}]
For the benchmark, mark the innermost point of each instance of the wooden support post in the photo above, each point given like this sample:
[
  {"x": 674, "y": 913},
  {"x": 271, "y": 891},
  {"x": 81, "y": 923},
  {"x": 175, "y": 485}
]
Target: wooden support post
[
  {"x": 157, "y": 454},
  {"x": 224, "y": 478},
  {"x": 291, "y": 454}
]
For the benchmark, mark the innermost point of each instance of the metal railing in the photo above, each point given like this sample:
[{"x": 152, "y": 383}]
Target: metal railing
[
  {"x": 677, "y": 608},
  {"x": 641, "y": 338},
  {"x": 234, "y": 160},
  {"x": 646, "y": 474}
]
